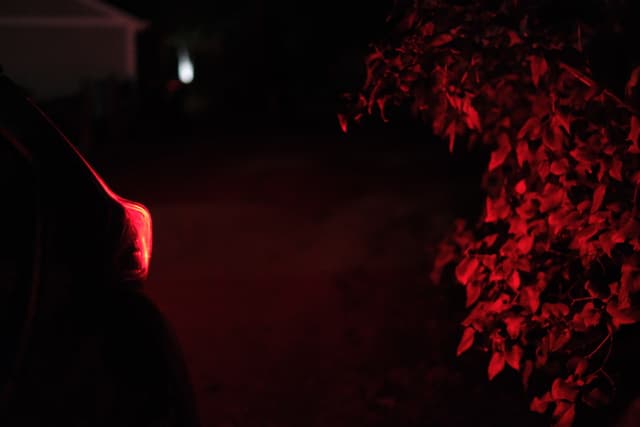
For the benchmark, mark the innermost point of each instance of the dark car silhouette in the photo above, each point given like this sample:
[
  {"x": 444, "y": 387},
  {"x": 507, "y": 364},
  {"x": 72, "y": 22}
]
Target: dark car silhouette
[{"x": 81, "y": 345}]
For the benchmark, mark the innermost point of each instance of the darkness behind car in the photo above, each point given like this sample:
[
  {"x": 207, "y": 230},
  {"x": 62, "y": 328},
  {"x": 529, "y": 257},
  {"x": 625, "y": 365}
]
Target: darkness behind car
[
  {"x": 16, "y": 252},
  {"x": 97, "y": 351}
]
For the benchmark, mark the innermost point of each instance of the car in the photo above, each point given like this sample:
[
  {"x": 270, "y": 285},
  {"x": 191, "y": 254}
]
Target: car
[{"x": 82, "y": 345}]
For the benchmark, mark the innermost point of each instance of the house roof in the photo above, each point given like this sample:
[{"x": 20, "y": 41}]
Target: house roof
[{"x": 65, "y": 13}]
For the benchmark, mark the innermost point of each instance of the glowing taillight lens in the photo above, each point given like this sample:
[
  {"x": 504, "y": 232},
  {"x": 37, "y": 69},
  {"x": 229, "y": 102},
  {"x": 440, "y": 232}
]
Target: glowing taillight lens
[
  {"x": 135, "y": 251},
  {"x": 140, "y": 234},
  {"x": 134, "y": 254}
]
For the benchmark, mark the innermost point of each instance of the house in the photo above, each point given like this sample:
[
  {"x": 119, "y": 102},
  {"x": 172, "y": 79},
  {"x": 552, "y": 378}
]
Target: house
[{"x": 55, "y": 47}]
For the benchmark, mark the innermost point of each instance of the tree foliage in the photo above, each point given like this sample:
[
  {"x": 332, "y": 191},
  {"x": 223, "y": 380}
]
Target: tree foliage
[{"x": 551, "y": 269}]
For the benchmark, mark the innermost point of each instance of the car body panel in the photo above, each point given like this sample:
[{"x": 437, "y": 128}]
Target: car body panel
[{"x": 95, "y": 350}]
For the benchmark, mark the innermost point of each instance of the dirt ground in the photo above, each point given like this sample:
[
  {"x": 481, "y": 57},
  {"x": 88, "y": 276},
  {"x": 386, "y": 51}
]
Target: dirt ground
[{"x": 296, "y": 280}]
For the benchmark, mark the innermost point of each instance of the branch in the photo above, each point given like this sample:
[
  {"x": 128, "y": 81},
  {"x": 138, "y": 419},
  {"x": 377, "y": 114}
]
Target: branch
[
  {"x": 589, "y": 82},
  {"x": 609, "y": 337}
]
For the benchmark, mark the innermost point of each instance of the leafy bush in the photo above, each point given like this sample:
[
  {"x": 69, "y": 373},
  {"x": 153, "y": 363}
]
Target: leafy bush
[{"x": 551, "y": 269}]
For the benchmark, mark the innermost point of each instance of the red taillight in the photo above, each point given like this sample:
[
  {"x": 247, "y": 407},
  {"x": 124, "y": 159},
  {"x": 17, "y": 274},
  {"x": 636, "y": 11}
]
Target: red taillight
[
  {"x": 138, "y": 232},
  {"x": 141, "y": 235}
]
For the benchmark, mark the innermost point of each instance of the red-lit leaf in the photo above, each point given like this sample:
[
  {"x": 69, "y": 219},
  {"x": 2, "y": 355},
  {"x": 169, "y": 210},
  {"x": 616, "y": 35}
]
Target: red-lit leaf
[
  {"x": 539, "y": 68},
  {"x": 530, "y": 130},
  {"x": 632, "y": 83},
  {"x": 514, "y": 38},
  {"x": 514, "y": 324},
  {"x": 541, "y": 404},
  {"x": 554, "y": 310},
  {"x": 542, "y": 352},
  {"x": 584, "y": 158},
  {"x": 615, "y": 171},
  {"x": 473, "y": 291},
  {"x": 578, "y": 365},
  {"x": 496, "y": 209},
  {"x": 490, "y": 240},
  {"x": 525, "y": 244},
  {"x": 614, "y": 289},
  {"x": 593, "y": 290},
  {"x": 488, "y": 261},
  {"x": 526, "y": 373},
  {"x": 581, "y": 367},
  {"x": 530, "y": 298},
  {"x": 523, "y": 153},
  {"x": 634, "y": 134},
  {"x": 500, "y": 304},
  {"x": 558, "y": 338},
  {"x": 381, "y": 102},
  {"x": 497, "y": 275},
  {"x": 441, "y": 40},
  {"x": 343, "y": 122},
  {"x": 496, "y": 364},
  {"x": 564, "y": 414},
  {"x": 521, "y": 187},
  {"x": 373, "y": 57},
  {"x": 513, "y": 356},
  {"x": 629, "y": 282},
  {"x": 427, "y": 29},
  {"x": 587, "y": 318},
  {"x": 524, "y": 25},
  {"x": 499, "y": 155},
  {"x": 564, "y": 390},
  {"x": 553, "y": 139},
  {"x": 559, "y": 167},
  {"x": 466, "y": 269},
  {"x": 518, "y": 226},
  {"x": 472, "y": 118},
  {"x": 596, "y": 398},
  {"x": 445, "y": 255},
  {"x": 598, "y": 197},
  {"x": 552, "y": 197},
  {"x": 583, "y": 206},
  {"x": 514, "y": 280},
  {"x": 450, "y": 132},
  {"x": 621, "y": 317},
  {"x": 560, "y": 121},
  {"x": 608, "y": 241},
  {"x": 466, "y": 341},
  {"x": 373, "y": 96},
  {"x": 542, "y": 163},
  {"x": 408, "y": 21},
  {"x": 583, "y": 236}
]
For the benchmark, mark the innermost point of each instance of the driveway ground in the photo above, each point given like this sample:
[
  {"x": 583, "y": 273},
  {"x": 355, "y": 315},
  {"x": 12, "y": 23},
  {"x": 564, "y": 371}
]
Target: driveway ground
[{"x": 296, "y": 280}]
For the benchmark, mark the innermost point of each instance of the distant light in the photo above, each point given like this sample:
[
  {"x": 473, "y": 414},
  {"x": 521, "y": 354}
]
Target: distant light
[{"x": 185, "y": 66}]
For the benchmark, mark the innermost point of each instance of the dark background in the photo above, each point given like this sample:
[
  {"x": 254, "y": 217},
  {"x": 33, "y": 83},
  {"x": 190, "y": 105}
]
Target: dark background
[
  {"x": 280, "y": 67},
  {"x": 277, "y": 68},
  {"x": 260, "y": 65},
  {"x": 292, "y": 259}
]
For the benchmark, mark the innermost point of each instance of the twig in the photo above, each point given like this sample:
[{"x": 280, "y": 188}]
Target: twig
[
  {"x": 606, "y": 357},
  {"x": 589, "y": 82},
  {"x": 608, "y": 337},
  {"x": 575, "y": 300},
  {"x": 609, "y": 380}
]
